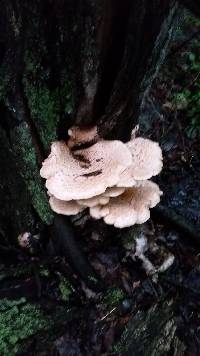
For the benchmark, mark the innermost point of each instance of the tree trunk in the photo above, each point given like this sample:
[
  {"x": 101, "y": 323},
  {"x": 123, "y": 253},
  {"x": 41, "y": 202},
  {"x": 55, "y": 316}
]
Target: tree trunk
[
  {"x": 64, "y": 63},
  {"x": 70, "y": 63}
]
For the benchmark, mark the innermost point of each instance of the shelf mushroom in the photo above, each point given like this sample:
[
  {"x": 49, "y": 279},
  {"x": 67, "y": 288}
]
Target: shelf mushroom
[{"x": 110, "y": 178}]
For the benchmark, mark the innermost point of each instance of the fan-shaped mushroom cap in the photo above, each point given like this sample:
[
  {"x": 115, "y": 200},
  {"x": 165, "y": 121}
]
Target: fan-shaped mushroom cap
[
  {"x": 126, "y": 180},
  {"x": 113, "y": 191},
  {"x": 51, "y": 164},
  {"x": 67, "y": 180},
  {"x": 99, "y": 211},
  {"x": 146, "y": 161},
  {"x": 101, "y": 199},
  {"x": 65, "y": 207},
  {"x": 80, "y": 136},
  {"x": 132, "y": 207},
  {"x": 97, "y": 200}
]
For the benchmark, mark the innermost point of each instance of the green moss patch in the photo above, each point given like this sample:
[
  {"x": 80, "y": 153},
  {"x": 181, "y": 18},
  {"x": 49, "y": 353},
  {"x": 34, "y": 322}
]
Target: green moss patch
[{"x": 19, "y": 320}]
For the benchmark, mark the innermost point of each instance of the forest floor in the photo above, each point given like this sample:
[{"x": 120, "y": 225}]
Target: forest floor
[{"x": 151, "y": 300}]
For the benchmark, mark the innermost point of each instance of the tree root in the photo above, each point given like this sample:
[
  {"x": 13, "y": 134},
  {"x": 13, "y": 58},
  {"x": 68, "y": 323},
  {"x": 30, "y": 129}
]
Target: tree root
[
  {"x": 170, "y": 217},
  {"x": 65, "y": 244}
]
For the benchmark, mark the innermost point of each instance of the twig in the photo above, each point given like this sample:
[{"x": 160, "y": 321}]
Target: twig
[
  {"x": 194, "y": 80},
  {"x": 109, "y": 313}
]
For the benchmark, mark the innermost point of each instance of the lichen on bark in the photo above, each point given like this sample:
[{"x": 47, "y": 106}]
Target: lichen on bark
[
  {"x": 26, "y": 160},
  {"x": 46, "y": 104}
]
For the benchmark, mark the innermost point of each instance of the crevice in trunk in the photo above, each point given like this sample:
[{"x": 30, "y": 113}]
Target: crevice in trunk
[
  {"x": 17, "y": 103},
  {"x": 112, "y": 38}
]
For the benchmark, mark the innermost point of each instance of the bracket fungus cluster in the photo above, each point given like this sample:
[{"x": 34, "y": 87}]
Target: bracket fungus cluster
[{"x": 109, "y": 177}]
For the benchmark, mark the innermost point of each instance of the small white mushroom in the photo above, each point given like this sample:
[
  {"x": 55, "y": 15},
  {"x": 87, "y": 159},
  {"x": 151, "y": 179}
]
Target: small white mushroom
[
  {"x": 24, "y": 239},
  {"x": 141, "y": 247}
]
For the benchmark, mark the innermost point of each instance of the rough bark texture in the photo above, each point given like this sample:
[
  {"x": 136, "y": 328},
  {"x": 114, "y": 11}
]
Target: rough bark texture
[{"x": 151, "y": 333}]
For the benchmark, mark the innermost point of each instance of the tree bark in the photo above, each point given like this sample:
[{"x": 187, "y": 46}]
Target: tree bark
[
  {"x": 152, "y": 333},
  {"x": 67, "y": 63},
  {"x": 80, "y": 63}
]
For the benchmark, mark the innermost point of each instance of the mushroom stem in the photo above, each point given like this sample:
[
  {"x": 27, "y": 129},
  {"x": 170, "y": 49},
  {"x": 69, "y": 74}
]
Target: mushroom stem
[{"x": 64, "y": 237}]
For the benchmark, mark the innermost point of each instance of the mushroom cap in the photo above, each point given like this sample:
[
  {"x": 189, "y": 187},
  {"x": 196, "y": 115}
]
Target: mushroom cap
[
  {"x": 114, "y": 191},
  {"x": 24, "y": 239},
  {"x": 99, "y": 211},
  {"x": 68, "y": 180},
  {"x": 126, "y": 179},
  {"x": 96, "y": 200},
  {"x": 65, "y": 207},
  {"x": 146, "y": 161},
  {"x": 131, "y": 207},
  {"x": 101, "y": 199}
]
